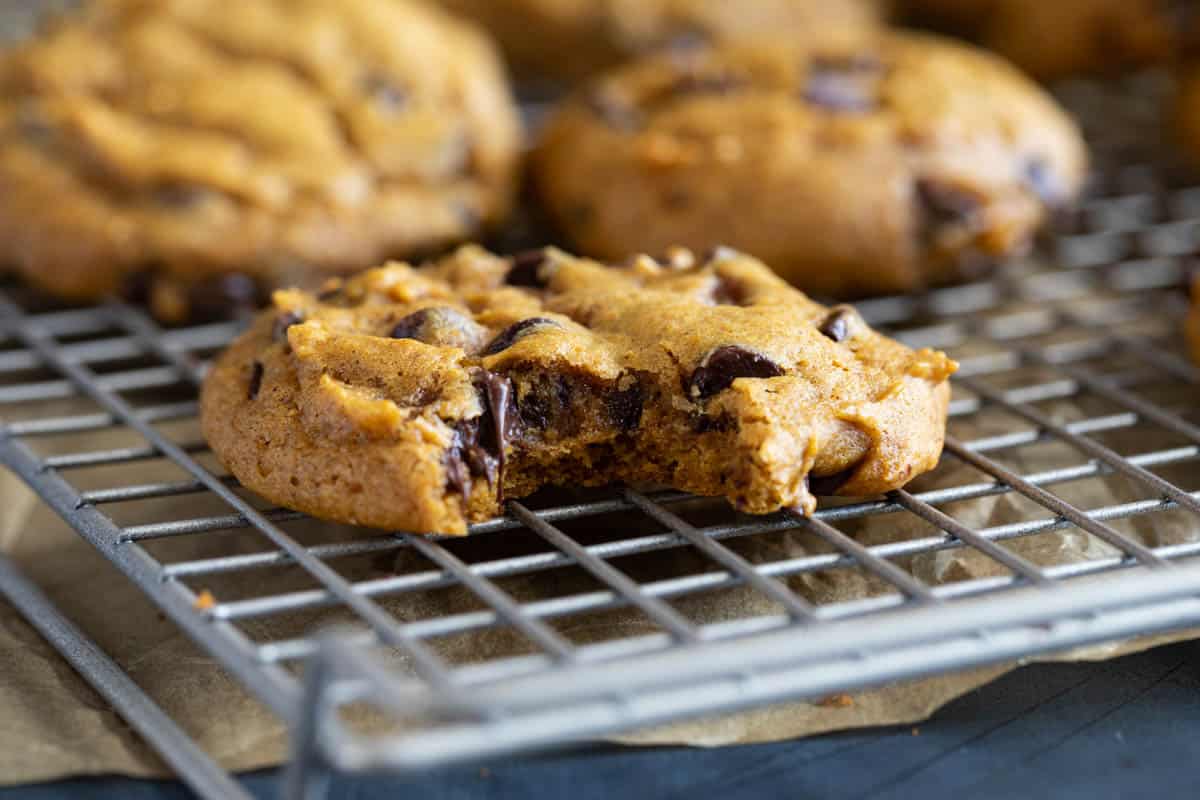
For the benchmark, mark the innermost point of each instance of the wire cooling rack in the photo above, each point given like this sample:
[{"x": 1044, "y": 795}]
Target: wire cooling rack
[{"x": 1071, "y": 421}]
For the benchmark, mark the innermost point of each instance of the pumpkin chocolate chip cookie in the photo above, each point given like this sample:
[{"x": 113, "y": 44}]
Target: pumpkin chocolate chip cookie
[
  {"x": 202, "y": 151},
  {"x": 420, "y": 398},
  {"x": 864, "y": 162}
]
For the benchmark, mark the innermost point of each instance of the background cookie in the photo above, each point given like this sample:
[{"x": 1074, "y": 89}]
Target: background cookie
[
  {"x": 1056, "y": 38},
  {"x": 192, "y": 139},
  {"x": 865, "y": 162},
  {"x": 420, "y": 398},
  {"x": 570, "y": 39}
]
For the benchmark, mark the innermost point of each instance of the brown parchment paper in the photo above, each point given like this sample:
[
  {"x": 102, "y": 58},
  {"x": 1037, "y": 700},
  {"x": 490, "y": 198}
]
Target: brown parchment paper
[{"x": 53, "y": 725}]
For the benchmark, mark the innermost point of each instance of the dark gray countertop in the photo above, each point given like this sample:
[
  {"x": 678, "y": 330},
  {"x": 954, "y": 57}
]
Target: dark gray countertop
[{"x": 1126, "y": 728}]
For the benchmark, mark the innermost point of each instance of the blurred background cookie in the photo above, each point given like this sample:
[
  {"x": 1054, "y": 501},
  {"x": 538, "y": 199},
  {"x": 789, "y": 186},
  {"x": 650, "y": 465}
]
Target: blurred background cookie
[
  {"x": 565, "y": 40},
  {"x": 1057, "y": 38},
  {"x": 203, "y": 151},
  {"x": 864, "y": 162}
]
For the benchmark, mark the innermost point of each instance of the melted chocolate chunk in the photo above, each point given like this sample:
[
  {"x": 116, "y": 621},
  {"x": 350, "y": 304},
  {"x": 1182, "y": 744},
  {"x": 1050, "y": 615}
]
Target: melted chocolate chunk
[
  {"x": 719, "y": 424},
  {"x": 515, "y": 332},
  {"x": 458, "y": 477},
  {"x": 526, "y": 269},
  {"x": 283, "y": 322},
  {"x": 724, "y": 365},
  {"x": 256, "y": 376},
  {"x": 943, "y": 205},
  {"x": 837, "y": 326},
  {"x": 625, "y": 406},
  {"x": 385, "y": 91},
  {"x": 544, "y": 402},
  {"x": 478, "y": 447},
  {"x": 845, "y": 84},
  {"x": 223, "y": 296}
]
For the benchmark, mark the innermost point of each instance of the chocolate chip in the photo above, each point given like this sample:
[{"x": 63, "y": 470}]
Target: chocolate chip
[
  {"x": 544, "y": 401},
  {"x": 283, "y": 322},
  {"x": 223, "y": 296},
  {"x": 625, "y": 406},
  {"x": 686, "y": 40},
  {"x": 1043, "y": 182},
  {"x": 136, "y": 287},
  {"x": 410, "y": 327},
  {"x": 846, "y": 84},
  {"x": 256, "y": 376},
  {"x": 526, "y": 269},
  {"x": 721, "y": 367},
  {"x": 728, "y": 291},
  {"x": 943, "y": 204},
  {"x": 693, "y": 83},
  {"x": 332, "y": 293},
  {"x": 384, "y": 91},
  {"x": 179, "y": 196},
  {"x": 838, "y": 325},
  {"x": 719, "y": 424},
  {"x": 442, "y": 326},
  {"x": 515, "y": 332},
  {"x": 617, "y": 112},
  {"x": 498, "y": 424}
]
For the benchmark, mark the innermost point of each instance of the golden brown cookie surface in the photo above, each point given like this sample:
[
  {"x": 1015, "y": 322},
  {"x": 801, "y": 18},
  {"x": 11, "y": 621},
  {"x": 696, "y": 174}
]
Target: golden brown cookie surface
[
  {"x": 862, "y": 163},
  {"x": 420, "y": 398},
  {"x": 571, "y": 39},
  {"x": 276, "y": 139}
]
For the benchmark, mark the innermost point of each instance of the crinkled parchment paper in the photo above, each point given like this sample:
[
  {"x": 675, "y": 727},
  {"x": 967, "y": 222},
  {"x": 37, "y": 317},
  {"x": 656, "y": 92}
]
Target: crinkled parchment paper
[{"x": 53, "y": 725}]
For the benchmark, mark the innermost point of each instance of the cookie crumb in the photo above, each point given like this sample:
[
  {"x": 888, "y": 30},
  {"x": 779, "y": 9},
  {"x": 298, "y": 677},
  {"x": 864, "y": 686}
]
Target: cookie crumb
[
  {"x": 836, "y": 701},
  {"x": 204, "y": 601}
]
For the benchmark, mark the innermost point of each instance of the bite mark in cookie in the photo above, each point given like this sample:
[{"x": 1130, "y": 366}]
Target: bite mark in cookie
[{"x": 435, "y": 393}]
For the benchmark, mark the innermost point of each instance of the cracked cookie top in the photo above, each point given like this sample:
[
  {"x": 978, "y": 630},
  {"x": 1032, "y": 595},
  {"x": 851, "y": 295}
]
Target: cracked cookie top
[
  {"x": 422, "y": 397},
  {"x": 278, "y": 139}
]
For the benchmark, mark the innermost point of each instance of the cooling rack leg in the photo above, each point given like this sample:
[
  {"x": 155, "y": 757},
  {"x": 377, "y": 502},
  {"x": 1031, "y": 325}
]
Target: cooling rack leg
[
  {"x": 308, "y": 771},
  {"x": 192, "y": 765}
]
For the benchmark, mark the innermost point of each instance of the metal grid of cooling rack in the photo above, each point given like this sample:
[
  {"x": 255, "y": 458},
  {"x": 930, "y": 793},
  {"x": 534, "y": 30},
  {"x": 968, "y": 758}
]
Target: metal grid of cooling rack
[{"x": 1091, "y": 320}]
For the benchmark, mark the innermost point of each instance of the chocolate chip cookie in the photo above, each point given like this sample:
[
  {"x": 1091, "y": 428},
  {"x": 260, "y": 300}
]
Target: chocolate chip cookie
[
  {"x": 419, "y": 399},
  {"x": 199, "y": 151},
  {"x": 571, "y": 39},
  {"x": 1059, "y": 38},
  {"x": 868, "y": 162}
]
